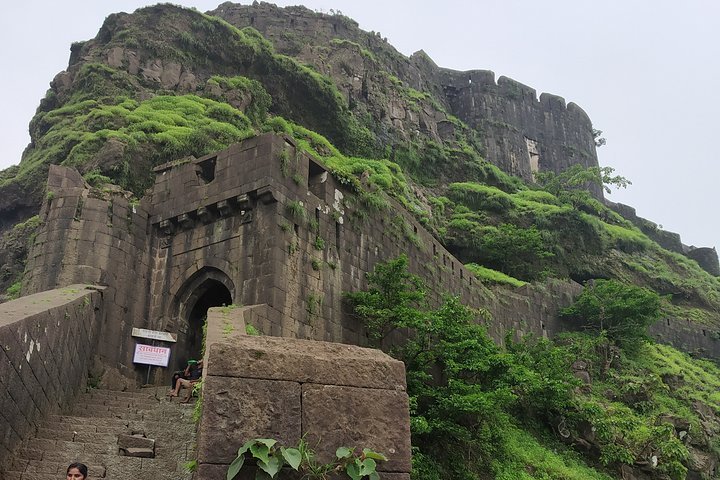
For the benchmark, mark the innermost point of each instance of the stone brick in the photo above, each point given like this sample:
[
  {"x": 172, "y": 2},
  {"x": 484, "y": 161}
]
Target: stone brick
[
  {"x": 238, "y": 409},
  {"x": 336, "y": 416},
  {"x": 307, "y": 361}
]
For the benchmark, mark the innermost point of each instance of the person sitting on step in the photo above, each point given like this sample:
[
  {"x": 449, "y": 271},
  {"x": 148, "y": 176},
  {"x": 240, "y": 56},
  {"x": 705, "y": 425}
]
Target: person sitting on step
[{"x": 194, "y": 374}]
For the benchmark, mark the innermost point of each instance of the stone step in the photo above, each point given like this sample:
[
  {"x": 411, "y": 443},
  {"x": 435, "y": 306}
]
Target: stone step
[
  {"x": 115, "y": 426},
  {"x": 144, "y": 393},
  {"x": 89, "y": 434},
  {"x": 121, "y": 402}
]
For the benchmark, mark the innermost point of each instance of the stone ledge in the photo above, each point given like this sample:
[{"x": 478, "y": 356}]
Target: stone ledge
[{"x": 306, "y": 361}]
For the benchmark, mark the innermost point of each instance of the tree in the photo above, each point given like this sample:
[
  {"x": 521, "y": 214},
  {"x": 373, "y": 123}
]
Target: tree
[
  {"x": 621, "y": 311},
  {"x": 599, "y": 139},
  {"x": 578, "y": 177},
  {"x": 394, "y": 299},
  {"x": 516, "y": 251}
]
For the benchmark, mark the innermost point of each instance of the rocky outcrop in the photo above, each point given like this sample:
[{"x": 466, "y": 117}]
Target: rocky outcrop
[{"x": 412, "y": 98}]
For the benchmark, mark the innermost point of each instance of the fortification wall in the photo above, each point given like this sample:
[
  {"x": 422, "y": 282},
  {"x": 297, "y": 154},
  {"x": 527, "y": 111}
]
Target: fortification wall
[
  {"x": 94, "y": 237},
  {"x": 292, "y": 238},
  {"x": 706, "y": 257},
  {"x": 268, "y": 225},
  {"x": 47, "y": 341},
  {"x": 328, "y": 394},
  {"x": 697, "y": 340},
  {"x": 522, "y": 133}
]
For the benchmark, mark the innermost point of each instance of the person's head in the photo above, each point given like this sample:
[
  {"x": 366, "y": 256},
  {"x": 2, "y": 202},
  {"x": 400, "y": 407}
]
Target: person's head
[{"x": 77, "y": 471}]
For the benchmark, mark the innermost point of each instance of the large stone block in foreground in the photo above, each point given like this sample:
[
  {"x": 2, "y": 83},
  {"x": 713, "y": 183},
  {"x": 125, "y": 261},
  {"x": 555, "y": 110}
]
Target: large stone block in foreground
[{"x": 334, "y": 395}]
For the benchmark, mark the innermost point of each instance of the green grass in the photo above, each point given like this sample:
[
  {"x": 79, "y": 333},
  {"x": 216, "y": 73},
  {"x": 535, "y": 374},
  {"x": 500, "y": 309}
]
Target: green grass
[
  {"x": 529, "y": 459},
  {"x": 488, "y": 275},
  {"x": 165, "y": 127}
]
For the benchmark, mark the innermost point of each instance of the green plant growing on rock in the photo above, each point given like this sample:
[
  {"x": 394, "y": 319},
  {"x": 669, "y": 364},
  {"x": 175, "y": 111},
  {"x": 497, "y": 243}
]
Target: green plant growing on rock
[
  {"x": 270, "y": 458},
  {"x": 296, "y": 210}
]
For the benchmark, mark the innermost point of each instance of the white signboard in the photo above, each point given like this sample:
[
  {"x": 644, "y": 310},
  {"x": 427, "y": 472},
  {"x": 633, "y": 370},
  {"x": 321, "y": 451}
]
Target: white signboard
[
  {"x": 149, "y": 355},
  {"x": 154, "y": 335}
]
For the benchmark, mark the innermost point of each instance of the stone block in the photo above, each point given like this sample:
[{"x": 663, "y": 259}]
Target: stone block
[
  {"x": 238, "y": 409},
  {"x": 306, "y": 361},
  {"x": 335, "y": 416},
  {"x": 125, "y": 442}
]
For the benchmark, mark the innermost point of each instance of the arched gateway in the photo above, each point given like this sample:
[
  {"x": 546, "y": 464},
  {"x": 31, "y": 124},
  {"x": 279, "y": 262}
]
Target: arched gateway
[{"x": 208, "y": 287}]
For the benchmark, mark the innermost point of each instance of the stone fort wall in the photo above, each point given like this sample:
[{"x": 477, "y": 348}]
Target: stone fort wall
[
  {"x": 47, "y": 341},
  {"x": 521, "y": 133},
  {"x": 268, "y": 224},
  {"x": 98, "y": 238}
]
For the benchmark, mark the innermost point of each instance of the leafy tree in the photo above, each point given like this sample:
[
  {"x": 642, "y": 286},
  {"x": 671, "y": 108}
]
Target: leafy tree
[
  {"x": 621, "y": 311},
  {"x": 599, "y": 139},
  {"x": 570, "y": 185},
  {"x": 463, "y": 388},
  {"x": 393, "y": 299},
  {"x": 516, "y": 251}
]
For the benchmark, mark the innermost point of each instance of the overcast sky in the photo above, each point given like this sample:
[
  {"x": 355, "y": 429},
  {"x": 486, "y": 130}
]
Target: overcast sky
[{"x": 646, "y": 72}]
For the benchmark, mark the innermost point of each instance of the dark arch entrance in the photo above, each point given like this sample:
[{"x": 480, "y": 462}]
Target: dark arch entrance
[
  {"x": 209, "y": 287},
  {"x": 215, "y": 295}
]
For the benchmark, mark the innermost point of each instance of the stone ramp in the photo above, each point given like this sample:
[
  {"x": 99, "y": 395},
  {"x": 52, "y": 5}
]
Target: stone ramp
[{"x": 101, "y": 422}]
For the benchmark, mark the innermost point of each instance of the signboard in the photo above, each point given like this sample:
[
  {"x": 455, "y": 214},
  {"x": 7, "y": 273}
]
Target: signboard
[
  {"x": 149, "y": 355},
  {"x": 154, "y": 335}
]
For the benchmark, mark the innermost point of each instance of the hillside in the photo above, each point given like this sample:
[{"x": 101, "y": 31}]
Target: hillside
[
  {"x": 508, "y": 181},
  {"x": 114, "y": 113}
]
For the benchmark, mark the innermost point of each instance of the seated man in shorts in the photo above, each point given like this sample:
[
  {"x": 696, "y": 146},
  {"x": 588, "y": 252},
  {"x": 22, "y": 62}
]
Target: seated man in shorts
[{"x": 194, "y": 374}]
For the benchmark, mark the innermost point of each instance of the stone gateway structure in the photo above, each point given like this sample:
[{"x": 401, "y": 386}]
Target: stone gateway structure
[{"x": 260, "y": 223}]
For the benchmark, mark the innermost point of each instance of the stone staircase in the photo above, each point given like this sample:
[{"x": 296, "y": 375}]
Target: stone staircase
[{"x": 104, "y": 426}]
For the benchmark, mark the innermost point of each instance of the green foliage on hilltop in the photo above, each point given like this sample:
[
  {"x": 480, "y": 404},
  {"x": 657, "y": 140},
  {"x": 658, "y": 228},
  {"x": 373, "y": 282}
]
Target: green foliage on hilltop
[
  {"x": 478, "y": 409},
  {"x": 154, "y": 131}
]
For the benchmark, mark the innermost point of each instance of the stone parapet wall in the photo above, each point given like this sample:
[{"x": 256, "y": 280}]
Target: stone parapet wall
[
  {"x": 687, "y": 336},
  {"x": 47, "y": 340},
  {"x": 330, "y": 394}
]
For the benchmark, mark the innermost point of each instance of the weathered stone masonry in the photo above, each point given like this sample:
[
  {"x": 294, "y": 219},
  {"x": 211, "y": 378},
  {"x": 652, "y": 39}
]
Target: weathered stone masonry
[
  {"x": 327, "y": 393},
  {"x": 267, "y": 225},
  {"x": 47, "y": 342}
]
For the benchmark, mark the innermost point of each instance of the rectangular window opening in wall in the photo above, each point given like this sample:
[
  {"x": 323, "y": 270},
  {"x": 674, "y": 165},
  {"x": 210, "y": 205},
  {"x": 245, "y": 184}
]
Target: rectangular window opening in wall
[
  {"x": 297, "y": 228},
  {"x": 317, "y": 179},
  {"x": 461, "y": 274},
  {"x": 434, "y": 249},
  {"x": 338, "y": 230},
  {"x": 533, "y": 152},
  {"x": 542, "y": 325},
  {"x": 668, "y": 321},
  {"x": 415, "y": 229},
  {"x": 444, "y": 260},
  {"x": 205, "y": 170},
  {"x": 317, "y": 220},
  {"x": 704, "y": 333},
  {"x": 452, "y": 266}
]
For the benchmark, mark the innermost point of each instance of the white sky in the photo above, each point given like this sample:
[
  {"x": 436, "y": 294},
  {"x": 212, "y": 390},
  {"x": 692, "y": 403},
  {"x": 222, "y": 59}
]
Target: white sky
[{"x": 646, "y": 72}]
